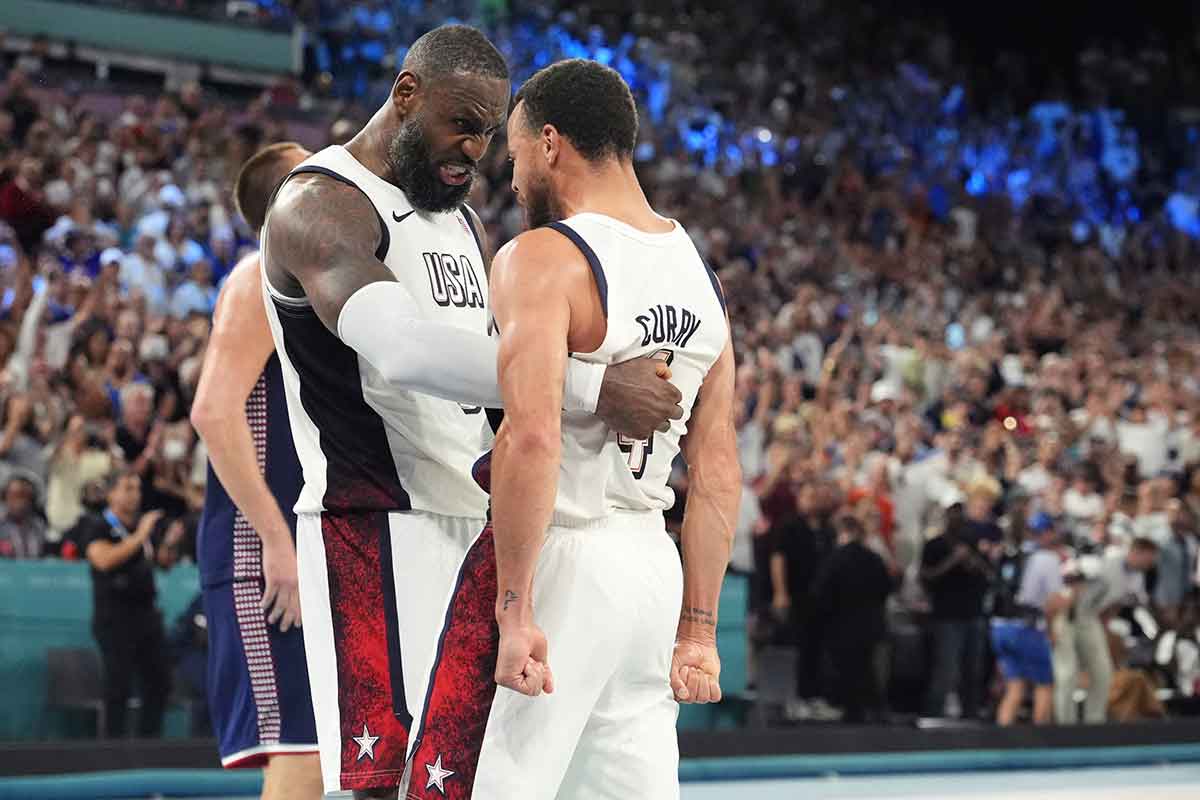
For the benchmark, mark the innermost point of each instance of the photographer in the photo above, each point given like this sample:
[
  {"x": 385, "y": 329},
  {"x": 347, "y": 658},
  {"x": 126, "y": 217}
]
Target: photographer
[
  {"x": 1019, "y": 632},
  {"x": 126, "y": 622},
  {"x": 1097, "y": 584}
]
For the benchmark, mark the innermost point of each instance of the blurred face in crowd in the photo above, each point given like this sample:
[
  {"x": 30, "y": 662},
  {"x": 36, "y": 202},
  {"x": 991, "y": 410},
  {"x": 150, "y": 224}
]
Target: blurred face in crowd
[
  {"x": 1048, "y": 451},
  {"x": 97, "y": 347},
  {"x": 120, "y": 358},
  {"x": 129, "y": 325},
  {"x": 125, "y": 497},
  {"x": 445, "y": 133},
  {"x": 202, "y": 273},
  {"x": 31, "y": 172},
  {"x": 980, "y": 504},
  {"x": 1142, "y": 558},
  {"x": 18, "y": 499},
  {"x": 136, "y": 409}
]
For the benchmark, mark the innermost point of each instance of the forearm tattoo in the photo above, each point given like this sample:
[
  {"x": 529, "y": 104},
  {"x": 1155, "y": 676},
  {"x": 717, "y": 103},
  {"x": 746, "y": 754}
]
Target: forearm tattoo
[{"x": 698, "y": 616}]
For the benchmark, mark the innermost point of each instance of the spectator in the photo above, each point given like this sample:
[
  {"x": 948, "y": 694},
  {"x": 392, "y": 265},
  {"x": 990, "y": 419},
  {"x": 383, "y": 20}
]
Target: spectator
[
  {"x": 1176, "y": 567},
  {"x": 1019, "y": 637},
  {"x": 79, "y": 459},
  {"x": 849, "y": 597},
  {"x": 1081, "y": 638},
  {"x": 957, "y": 575},
  {"x": 20, "y": 446},
  {"x": 196, "y": 295},
  {"x": 800, "y": 546},
  {"x": 126, "y": 623},
  {"x": 22, "y": 527},
  {"x": 23, "y": 204},
  {"x": 141, "y": 272}
]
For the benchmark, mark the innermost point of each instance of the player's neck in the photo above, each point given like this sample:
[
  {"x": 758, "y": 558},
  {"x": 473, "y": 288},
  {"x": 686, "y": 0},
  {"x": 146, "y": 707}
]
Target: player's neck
[
  {"x": 369, "y": 145},
  {"x": 612, "y": 190}
]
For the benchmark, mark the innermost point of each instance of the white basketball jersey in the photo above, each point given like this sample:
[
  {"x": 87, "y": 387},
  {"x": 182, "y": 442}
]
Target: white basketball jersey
[
  {"x": 661, "y": 300},
  {"x": 363, "y": 445}
]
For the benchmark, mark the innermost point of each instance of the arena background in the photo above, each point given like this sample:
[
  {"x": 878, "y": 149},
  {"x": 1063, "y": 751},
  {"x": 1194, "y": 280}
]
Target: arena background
[{"x": 959, "y": 245}]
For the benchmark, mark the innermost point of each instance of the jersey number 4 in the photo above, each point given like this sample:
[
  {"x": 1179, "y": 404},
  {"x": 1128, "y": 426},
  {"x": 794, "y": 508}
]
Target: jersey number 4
[{"x": 638, "y": 451}]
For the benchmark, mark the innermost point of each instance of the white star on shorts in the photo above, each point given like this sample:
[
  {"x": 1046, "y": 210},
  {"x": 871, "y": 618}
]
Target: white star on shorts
[
  {"x": 437, "y": 775},
  {"x": 366, "y": 744}
]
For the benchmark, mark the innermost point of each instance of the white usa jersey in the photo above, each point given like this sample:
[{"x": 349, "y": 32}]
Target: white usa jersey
[
  {"x": 661, "y": 300},
  {"x": 363, "y": 445}
]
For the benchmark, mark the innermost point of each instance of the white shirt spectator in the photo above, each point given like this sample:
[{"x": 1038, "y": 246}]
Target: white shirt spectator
[
  {"x": 741, "y": 557},
  {"x": 1082, "y": 509},
  {"x": 751, "y": 450},
  {"x": 1154, "y": 526},
  {"x": 145, "y": 274},
  {"x": 1035, "y": 479},
  {"x": 1147, "y": 441},
  {"x": 915, "y": 492},
  {"x": 811, "y": 352}
]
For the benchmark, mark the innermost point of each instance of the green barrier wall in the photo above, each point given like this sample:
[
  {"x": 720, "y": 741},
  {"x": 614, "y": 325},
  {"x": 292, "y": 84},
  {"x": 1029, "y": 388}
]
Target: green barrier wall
[
  {"x": 45, "y": 604},
  {"x": 150, "y": 34}
]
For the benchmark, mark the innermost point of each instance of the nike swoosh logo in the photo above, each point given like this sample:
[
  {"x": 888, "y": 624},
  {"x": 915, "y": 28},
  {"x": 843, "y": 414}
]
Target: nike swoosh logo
[{"x": 402, "y": 217}]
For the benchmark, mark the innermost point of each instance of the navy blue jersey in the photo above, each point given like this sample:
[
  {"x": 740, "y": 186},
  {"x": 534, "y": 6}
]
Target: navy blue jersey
[{"x": 229, "y": 548}]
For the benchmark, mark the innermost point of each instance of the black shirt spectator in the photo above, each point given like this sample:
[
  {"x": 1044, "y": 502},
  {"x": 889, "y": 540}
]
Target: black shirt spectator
[
  {"x": 126, "y": 623},
  {"x": 22, "y": 527},
  {"x": 957, "y": 588},
  {"x": 118, "y": 587},
  {"x": 850, "y": 597}
]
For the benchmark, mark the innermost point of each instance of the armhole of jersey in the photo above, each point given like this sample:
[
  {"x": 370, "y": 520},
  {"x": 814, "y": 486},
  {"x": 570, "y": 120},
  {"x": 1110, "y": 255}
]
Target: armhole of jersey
[
  {"x": 469, "y": 218},
  {"x": 592, "y": 259},
  {"x": 716, "y": 284},
  {"x": 385, "y": 238}
]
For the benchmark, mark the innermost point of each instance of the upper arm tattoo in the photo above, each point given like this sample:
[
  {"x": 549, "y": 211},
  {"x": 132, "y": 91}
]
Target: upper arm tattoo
[{"x": 320, "y": 240}]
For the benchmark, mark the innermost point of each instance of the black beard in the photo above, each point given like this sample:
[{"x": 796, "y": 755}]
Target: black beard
[
  {"x": 541, "y": 207},
  {"x": 414, "y": 172}
]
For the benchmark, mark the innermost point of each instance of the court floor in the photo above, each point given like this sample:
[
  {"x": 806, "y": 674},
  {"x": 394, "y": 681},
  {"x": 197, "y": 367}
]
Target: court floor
[
  {"x": 1056, "y": 782},
  {"x": 1175, "y": 782}
]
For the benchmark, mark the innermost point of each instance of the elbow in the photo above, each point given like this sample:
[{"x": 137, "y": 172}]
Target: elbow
[
  {"x": 534, "y": 442},
  {"x": 204, "y": 417}
]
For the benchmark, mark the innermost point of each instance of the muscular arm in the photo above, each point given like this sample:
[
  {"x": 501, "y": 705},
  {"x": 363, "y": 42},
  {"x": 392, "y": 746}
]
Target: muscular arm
[
  {"x": 530, "y": 299},
  {"x": 326, "y": 234},
  {"x": 714, "y": 492}
]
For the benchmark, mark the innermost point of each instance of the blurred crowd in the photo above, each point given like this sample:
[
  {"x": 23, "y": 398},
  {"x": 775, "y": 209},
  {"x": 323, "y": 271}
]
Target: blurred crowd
[{"x": 966, "y": 328}]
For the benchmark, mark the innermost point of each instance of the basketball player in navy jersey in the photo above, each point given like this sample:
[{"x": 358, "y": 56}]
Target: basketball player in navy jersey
[
  {"x": 258, "y": 680},
  {"x": 585, "y": 577},
  {"x": 374, "y": 275}
]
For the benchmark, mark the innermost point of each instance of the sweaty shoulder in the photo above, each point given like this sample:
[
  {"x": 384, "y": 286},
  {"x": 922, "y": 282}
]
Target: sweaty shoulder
[
  {"x": 530, "y": 253},
  {"x": 314, "y": 221},
  {"x": 543, "y": 265}
]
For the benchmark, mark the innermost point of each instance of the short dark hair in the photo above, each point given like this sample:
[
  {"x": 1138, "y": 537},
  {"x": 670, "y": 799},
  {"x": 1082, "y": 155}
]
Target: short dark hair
[
  {"x": 455, "y": 49},
  {"x": 851, "y": 526},
  {"x": 590, "y": 104},
  {"x": 257, "y": 179},
  {"x": 115, "y": 476},
  {"x": 1144, "y": 544}
]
